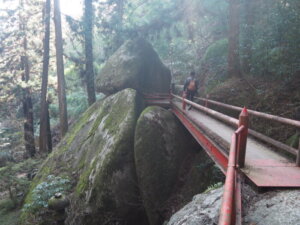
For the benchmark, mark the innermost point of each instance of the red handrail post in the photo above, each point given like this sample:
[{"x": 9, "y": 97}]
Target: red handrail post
[
  {"x": 183, "y": 100},
  {"x": 298, "y": 155},
  {"x": 242, "y": 140}
]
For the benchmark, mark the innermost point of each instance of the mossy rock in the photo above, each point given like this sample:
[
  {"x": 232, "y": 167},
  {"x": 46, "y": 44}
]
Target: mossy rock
[
  {"x": 97, "y": 155},
  {"x": 134, "y": 65},
  {"x": 164, "y": 154},
  {"x": 58, "y": 202}
]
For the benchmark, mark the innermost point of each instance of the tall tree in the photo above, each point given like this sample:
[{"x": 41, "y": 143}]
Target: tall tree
[
  {"x": 44, "y": 143},
  {"x": 88, "y": 36},
  {"x": 118, "y": 20},
  {"x": 61, "y": 84},
  {"x": 27, "y": 101},
  {"x": 248, "y": 35},
  {"x": 233, "y": 39}
]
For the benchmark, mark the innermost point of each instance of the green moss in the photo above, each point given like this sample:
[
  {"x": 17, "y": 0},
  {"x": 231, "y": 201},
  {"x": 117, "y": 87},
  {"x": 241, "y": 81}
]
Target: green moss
[
  {"x": 82, "y": 161},
  {"x": 50, "y": 166},
  {"x": 97, "y": 122},
  {"x": 147, "y": 110},
  {"x": 115, "y": 118},
  {"x": 113, "y": 122},
  {"x": 75, "y": 129},
  {"x": 82, "y": 183}
]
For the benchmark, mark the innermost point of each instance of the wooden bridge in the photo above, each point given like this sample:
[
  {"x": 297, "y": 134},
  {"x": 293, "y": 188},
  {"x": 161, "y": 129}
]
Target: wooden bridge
[{"x": 240, "y": 152}]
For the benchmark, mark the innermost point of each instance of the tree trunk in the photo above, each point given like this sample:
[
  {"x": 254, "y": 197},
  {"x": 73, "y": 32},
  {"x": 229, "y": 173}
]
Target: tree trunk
[
  {"x": 233, "y": 39},
  {"x": 27, "y": 106},
  {"x": 49, "y": 136},
  {"x": 61, "y": 86},
  {"x": 27, "y": 102},
  {"x": 43, "y": 140},
  {"x": 88, "y": 36},
  {"x": 119, "y": 23},
  {"x": 249, "y": 33}
]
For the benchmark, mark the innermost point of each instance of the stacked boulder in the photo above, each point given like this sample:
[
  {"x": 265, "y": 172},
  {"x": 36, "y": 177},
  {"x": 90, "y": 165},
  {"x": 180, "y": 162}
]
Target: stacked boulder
[{"x": 134, "y": 65}]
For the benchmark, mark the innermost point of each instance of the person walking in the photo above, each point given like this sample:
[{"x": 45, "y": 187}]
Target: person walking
[{"x": 190, "y": 87}]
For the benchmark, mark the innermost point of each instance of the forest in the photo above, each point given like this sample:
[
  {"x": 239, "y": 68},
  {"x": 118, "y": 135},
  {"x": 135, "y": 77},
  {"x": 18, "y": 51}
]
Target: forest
[{"x": 51, "y": 52}]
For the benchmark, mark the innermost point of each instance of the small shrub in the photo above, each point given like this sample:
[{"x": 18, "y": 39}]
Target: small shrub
[
  {"x": 7, "y": 205},
  {"x": 45, "y": 190},
  {"x": 14, "y": 181},
  {"x": 215, "y": 60}
]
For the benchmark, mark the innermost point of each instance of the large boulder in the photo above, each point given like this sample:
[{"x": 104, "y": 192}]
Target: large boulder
[
  {"x": 134, "y": 65},
  {"x": 204, "y": 209},
  {"x": 170, "y": 166},
  {"x": 97, "y": 156},
  {"x": 273, "y": 208},
  {"x": 269, "y": 208}
]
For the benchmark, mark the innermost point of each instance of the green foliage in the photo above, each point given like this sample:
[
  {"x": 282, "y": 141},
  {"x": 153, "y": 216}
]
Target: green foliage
[
  {"x": 293, "y": 141},
  {"x": 213, "y": 187},
  {"x": 274, "y": 40},
  {"x": 77, "y": 103},
  {"x": 7, "y": 205},
  {"x": 45, "y": 190},
  {"x": 217, "y": 52},
  {"x": 13, "y": 179},
  {"x": 214, "y": 63}
]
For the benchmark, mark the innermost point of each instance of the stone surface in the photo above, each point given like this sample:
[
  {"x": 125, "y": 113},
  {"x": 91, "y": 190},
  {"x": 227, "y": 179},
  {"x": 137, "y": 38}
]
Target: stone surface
[
  {"x": 97, "y": 156},
  {"x": 269, "y": 208},
  {"x": 170, "y": 166},
  {"x": 202, "y": 210},
  {"x": 274, "y": 208},
  {"x": 134, "y": 65}
]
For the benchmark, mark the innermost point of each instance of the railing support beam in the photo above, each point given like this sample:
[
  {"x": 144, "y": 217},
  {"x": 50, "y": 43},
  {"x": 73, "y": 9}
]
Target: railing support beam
[{"x": 206, "y": 102}]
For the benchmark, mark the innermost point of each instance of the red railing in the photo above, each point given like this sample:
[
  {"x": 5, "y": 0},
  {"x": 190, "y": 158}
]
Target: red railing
[
  {"x": 282, "y": 120},
  {"x": 220, "y": 116},
  {"x": 231, "y": 202},
  {"x": 231, "y": 208},
  {"x": 230, "y": 212},
  {"x": 157, "y": 98}
]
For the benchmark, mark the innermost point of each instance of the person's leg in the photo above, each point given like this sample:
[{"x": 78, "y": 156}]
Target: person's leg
[
  {"x": 192, "y": 95},
  {"x": 189, "y": 97}
]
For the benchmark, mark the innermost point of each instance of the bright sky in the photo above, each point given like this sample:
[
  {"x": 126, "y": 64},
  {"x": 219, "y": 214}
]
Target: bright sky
[{"x": 73, "y": 8}]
